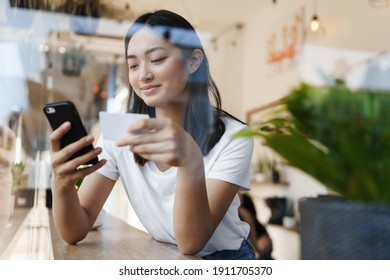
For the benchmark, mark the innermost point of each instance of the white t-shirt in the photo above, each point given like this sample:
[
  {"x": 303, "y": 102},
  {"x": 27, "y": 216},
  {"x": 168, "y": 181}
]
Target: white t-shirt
[{"x": 151, "y": 192}]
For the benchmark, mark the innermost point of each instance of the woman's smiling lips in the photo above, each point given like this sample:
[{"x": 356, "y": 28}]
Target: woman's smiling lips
[{"x": 149, "y": 89}]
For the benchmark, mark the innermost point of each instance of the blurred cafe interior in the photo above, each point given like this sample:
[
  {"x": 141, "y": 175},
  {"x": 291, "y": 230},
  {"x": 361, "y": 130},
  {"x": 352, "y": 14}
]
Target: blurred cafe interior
[{"x": 259, "y": 50}]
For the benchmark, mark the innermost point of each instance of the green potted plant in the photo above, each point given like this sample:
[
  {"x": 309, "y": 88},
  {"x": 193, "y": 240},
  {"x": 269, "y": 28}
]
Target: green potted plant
[
  {"x": 340, "y": 137},
  {"x": 289, "y": 219},
  {"x": 275, "y": 172},
  {"x": 268, "y": 169},
  {"x": 23, "y": 195},
  {"x": 19, "y": 176}
]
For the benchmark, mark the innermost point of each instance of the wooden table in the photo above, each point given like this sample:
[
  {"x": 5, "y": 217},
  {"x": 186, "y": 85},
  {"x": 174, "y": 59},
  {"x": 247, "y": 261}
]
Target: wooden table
[
  {"x": 11, "y": 235},
  {"x": 115, "y": 240}
]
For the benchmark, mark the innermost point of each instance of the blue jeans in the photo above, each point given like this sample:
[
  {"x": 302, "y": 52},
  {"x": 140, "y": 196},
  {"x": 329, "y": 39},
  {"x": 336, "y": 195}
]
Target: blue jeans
[{"x": 246, "y": 252}]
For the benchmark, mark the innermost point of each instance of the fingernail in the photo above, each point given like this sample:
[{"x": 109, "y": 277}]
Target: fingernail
[{"x": 89, "y": 138}]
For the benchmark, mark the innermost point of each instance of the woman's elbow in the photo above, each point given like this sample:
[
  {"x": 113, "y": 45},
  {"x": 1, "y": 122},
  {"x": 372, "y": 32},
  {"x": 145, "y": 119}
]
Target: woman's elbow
[
  {"x": 71, "y": 242},
  {"x": 189, "y": 248},
  {"x": 191, "y": 245},
  {"x": 191, "y": 241},
  {"x": 72, "y": 239}
]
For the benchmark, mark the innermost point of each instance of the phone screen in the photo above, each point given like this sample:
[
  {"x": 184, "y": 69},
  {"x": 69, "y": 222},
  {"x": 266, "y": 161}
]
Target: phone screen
[{"x": 59, "y": 112}]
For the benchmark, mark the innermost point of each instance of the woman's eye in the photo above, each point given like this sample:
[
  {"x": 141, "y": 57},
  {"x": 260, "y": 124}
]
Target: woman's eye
[
  {"x": 133, "y": 66},
  {"x": 158, "y": 60}
]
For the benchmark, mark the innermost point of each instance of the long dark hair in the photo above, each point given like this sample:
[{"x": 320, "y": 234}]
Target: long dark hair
[{"x": 202, "y": 117}]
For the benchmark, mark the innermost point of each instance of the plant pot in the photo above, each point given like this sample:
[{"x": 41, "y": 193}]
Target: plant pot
[
  {"x": 289, "y": 222},
  {"x": 333, "y": 228},
  {"x": 277, "y": 205},
  {"x": 259, "y": 177},
  {"x": 24, "y": 198}
]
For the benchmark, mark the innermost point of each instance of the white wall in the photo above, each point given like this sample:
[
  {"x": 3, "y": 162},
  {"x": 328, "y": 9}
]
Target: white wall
[
  {"x": 226, "y": 64},
  {"x": 349, "y": 24}
]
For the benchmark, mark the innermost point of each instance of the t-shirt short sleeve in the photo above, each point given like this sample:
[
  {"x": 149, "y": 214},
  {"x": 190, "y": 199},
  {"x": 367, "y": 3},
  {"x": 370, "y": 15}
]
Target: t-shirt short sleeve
[
  {"x": 110, "y": 169},
  {"x": 231, "y": 158}
]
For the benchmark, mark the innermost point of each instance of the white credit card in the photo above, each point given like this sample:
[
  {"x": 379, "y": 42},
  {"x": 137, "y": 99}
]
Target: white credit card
[{"x": 114, "y": 125}]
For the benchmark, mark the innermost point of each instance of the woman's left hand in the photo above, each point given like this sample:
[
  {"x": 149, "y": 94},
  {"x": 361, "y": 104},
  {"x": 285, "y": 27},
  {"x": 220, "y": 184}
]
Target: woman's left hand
[{"x": 160, "y": 140}]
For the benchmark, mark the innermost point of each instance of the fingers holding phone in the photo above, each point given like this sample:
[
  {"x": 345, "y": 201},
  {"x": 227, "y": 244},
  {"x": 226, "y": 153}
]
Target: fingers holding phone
[
  {"x": 66, "y": 154},
  {"x": 57, "y": 134},
  {"x": 71, "y": 146},
  {"x": 62, "y": 112}
]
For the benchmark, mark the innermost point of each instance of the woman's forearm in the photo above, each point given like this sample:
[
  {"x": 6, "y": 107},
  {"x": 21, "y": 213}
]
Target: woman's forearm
[
  {"x": 193, "y": 223},
  {"x": 71, "y": 220}
]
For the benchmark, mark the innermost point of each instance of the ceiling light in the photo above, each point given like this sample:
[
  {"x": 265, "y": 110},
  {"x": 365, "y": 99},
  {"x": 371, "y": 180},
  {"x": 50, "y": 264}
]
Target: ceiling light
[{"x": 314, "y": 24}]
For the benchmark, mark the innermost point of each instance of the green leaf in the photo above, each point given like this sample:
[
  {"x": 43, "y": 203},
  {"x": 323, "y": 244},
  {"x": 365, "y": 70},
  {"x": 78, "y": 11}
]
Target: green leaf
[
  {"x": 338, "y": 136},
  {"x": 246, "y": 133},
  {"x": 78, "y": 183},
  {"x": 303, "y": 155}
]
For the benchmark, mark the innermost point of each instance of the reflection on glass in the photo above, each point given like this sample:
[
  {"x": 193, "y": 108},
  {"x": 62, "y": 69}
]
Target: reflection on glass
[
  {"x": 13, "y": 94},
  {"x": 48, "y": 56},
  {"x": 7, "y": 144}
]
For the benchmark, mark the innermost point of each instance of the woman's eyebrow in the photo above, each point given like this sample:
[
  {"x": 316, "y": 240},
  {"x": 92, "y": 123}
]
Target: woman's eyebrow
[
  {"x": 147, "y": 52},
  {"x": 154, "y": 49}
]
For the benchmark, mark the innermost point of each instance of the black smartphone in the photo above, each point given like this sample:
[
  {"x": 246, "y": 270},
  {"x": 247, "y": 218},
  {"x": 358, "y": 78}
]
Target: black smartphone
[{"x": 59, "y": 112}]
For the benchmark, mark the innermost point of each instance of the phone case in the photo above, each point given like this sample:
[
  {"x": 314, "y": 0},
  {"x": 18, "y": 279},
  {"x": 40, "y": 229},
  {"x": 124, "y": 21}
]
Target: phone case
[{"x": 59, "y": 112}]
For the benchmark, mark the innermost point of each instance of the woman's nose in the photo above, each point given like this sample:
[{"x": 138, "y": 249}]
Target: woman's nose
[{"x": 145, "y": 74}]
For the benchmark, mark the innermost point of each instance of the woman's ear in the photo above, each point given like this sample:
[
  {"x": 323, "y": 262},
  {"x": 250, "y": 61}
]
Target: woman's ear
[{"x": 194, "y": 61}]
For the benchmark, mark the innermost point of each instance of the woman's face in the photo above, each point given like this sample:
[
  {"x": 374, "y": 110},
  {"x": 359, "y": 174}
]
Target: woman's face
[{"x": 156, "y": 70}]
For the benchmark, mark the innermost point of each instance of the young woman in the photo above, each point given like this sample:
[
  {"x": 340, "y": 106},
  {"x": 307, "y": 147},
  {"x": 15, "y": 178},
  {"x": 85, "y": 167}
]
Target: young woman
[{"x": 181, "y": 168}]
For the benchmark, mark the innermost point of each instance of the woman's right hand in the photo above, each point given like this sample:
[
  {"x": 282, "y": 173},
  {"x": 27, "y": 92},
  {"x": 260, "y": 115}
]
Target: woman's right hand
[{"x": 65, "y": 172}]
